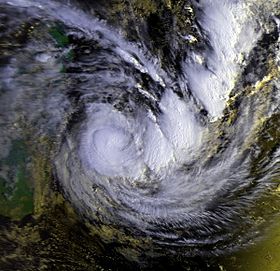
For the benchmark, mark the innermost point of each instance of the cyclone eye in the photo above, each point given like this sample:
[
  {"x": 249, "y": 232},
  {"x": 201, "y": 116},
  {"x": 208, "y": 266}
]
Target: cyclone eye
[{"x": 112, "y": 148}]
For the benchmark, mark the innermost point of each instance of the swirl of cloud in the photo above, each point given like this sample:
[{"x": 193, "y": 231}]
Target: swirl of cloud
[{"x": 140, "y": 154}]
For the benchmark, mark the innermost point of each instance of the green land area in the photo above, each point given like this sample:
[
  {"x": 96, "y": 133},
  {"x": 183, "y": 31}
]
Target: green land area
[{"x": 16, "y": 193}]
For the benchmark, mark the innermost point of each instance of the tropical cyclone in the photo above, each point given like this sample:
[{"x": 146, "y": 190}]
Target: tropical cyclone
[
  {"x": 149, "y": 169},
  {"x": 169, "y": 155}
]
